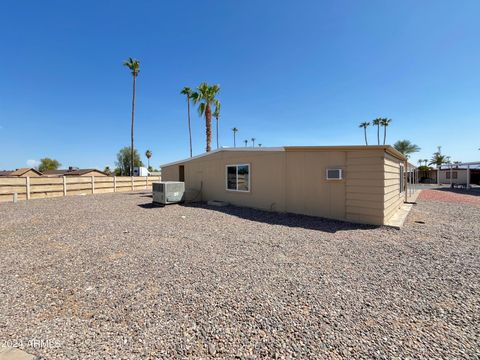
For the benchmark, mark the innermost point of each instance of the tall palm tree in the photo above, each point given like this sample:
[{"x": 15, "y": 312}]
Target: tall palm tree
[
  {"x": 406, "y": 147},
  {"x": 235, "y": 130},
  {"x": 246, "y": 142},
  {"x": 188, "y": 93},
  {"x": 364, "y": 125},
  {"x": 438, "y": 159},
  {"x": 253, "y": 142},
  {"x": 216, "y": 115},
  {"x": 148, "y": 154},
  {"x": 134, "y": 66},
  {"x": 385, "y": 123},
  {"x": 376, "y": 123},
  {"x": 205, "y": 97}
]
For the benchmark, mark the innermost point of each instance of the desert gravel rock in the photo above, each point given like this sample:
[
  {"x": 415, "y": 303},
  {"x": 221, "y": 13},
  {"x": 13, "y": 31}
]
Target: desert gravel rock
[{"x": 113, "y": 277}]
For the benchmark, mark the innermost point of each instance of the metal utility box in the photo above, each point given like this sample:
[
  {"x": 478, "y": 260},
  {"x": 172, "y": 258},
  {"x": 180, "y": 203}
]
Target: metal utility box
[{"x": 168, "y": 192}]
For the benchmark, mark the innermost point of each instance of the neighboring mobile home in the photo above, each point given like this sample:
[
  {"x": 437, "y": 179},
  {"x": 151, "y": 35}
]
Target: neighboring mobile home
[
  {"x": 22, "y": 172},
  {"x": 74, "y": 172},
  {"x": 353, "y": 183}
]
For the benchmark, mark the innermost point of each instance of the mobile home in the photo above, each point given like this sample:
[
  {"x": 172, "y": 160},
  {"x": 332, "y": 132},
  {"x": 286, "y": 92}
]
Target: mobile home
[{"x": 362, "y": 184}]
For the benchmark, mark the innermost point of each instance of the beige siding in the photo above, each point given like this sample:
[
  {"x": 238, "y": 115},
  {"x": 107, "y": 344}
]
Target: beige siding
[
  {"x": 307, "y": 190},
  {"x": 365, "y": 187},
  {"x": 393, "y": 196},
  {"x": 295, "y": 181},
  {"x": 205, "y": 179}
]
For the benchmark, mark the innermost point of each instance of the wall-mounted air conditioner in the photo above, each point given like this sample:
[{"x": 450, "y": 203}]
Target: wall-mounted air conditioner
[{"x": 334, "y": 174}]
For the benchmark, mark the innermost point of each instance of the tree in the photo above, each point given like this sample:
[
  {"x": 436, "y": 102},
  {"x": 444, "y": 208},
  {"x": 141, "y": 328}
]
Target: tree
[
  {"x": 376, "y": 123},
  {"x": 253, "y": 142},
  {"x": 246, "y": 142},
  {"x": 148, "y": 154},
  {"x": 438, "y": 159},
  {"x": 364, "y": 125},
  {"x": 124, "y": 158},
  {"x": 216, "y": 115},
  {"x": 107, "y": 170},
  {"x": 48, "y": 164},
  {"x": 188, "y": 93},
  {"x": 259, "y": 145},
  {"x": 134, "y": 66},
  {"x": 205, "y": 97},
  {"x": 406, "y": 147},
  {"x": 385, "y": 123},
  {"x": 235, "y": 130}
]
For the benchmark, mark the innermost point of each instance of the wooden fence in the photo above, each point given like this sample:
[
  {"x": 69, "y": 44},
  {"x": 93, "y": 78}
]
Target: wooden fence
[{"x": 28, "y": 188}]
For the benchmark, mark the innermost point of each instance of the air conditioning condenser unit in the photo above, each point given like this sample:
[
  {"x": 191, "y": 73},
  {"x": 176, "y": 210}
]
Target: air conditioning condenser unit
[{"x": 168, "y": 192}]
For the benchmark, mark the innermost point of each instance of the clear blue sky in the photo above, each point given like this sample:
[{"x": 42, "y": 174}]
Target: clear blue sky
[{"x": 291, "y": 73}]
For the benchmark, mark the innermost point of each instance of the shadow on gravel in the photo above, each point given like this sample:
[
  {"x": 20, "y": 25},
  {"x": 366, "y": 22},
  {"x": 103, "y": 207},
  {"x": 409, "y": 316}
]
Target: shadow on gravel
[
  {"x": 151, "y": 205},
  {"x": 285, "y": 219}
]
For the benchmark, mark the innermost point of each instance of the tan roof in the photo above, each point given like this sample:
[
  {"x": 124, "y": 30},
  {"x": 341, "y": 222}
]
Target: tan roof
[
  {"x": 82, "y": 171},
  {"x": 68, "y": 172},
  {"x": 21, "y": 171}
]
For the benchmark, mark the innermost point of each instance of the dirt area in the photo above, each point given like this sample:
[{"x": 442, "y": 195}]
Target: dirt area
[{"x": 113, "y": 277}]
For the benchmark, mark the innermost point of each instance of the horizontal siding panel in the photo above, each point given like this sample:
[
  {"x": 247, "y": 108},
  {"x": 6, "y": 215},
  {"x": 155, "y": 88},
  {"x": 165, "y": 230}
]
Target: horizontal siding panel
[
  {"x": 365, "y": 197},
  {"x": 378, "y": 154},
  {"x": 362, "y": 168},
  {"x": 364, "y": 210},
  {"x": 364, "y": 204},
  {"x": 366, "y": 219},
  {"x": 364, "y": 162},
  {"x": 365, "y": 175},
  {"x": 364, "y": 189}
]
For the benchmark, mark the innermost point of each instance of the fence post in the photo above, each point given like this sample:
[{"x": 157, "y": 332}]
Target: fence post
[
  {"x": 93, "y": 184},
  {"x": 133, "y": 187},
  {"x": 64, "y": 186},
  {"x": 114, "y": 184},
  {"x": 146, "y": 182},
  {"x": 27, "y": 185}
]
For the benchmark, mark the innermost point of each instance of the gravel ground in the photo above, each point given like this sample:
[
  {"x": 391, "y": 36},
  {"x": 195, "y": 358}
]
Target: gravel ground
[{"x": 111, "y": 277}]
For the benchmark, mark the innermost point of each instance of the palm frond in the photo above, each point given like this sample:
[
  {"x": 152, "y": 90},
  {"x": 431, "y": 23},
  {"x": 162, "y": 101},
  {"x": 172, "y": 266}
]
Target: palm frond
[{"x": 201, "y": 108}]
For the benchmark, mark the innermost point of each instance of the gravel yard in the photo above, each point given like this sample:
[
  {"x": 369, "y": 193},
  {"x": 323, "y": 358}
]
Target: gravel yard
[{"x": 112, "y": 277}]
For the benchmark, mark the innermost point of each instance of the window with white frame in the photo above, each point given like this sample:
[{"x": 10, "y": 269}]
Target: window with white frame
[{"x": 238, "y": 177}]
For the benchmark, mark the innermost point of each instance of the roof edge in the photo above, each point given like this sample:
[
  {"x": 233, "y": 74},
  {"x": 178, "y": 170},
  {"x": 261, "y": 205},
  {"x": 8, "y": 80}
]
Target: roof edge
[
  {"x": 386, "y": 148},
  {"x": 223, "y": 149}
]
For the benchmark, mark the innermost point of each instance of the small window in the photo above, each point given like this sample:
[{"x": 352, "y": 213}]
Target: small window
[
  {"x": 238, "y": 177},
  {"x": 455, "y": 175},
  {"x": 334, "y": 174}
]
